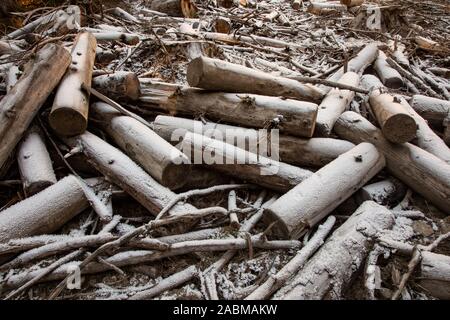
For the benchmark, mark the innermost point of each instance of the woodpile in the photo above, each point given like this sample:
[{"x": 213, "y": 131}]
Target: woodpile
[{"x": 225, "y": 150}]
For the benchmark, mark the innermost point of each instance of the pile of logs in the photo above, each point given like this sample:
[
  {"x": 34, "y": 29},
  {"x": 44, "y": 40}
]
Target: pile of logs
[{"x": 323, "y": 166}]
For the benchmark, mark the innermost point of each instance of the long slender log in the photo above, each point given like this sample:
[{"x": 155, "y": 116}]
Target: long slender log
[
  {"x": 242, "y": 164},
  {"x": 20, "y": 105},
  {"x": 35, "y": 165},
  {"x": 122, "y": 171},
  {"x": 159, "y": 158},
  {"x": 44, "y": 212},
  {"x": 316, "y": 197},
  {"x": 215, "y": 74},
  {"x": 314, "y": 152},
  {"x": 334, "y": 104},
  {"x": 431, "y": 109},
  {"x": 70, "y": 109},
  {"x": 120, "y": 85},
  {"x": 330, "y": 270},
  {"x": 388, "y": 75},
  {"x": 296, "y": 117},
  {"x": 104, "y": 35},
  {"x": 420, "y": 170}
]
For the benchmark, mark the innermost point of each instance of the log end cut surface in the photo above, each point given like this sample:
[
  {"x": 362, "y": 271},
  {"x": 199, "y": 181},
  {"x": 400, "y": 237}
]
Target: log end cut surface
[
  {"x": 67, "y": 122},
  {"x": 400, "y": 128}
]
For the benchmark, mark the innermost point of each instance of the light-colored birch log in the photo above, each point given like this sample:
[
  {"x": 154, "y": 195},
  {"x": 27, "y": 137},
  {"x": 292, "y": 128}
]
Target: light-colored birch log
[
  {"x": 330, "y": 271},
  {"x": 215, "y": 74},
  {"x": 334, "y": 104},
  {"x": 431, "y": 109},
  {"x": 45, "y": 212},
  {"x": 70, "y": 108},
  {"x": 316, "y": 197},
  {"x": 384, "y": 192},
  {"x": 20, "y": 105},
  {"x": 420, "y": 170},
  {"x": 159, "y": 158},
  {"x": 121, "y": 85},
  {"x": 35, "y": 165}
]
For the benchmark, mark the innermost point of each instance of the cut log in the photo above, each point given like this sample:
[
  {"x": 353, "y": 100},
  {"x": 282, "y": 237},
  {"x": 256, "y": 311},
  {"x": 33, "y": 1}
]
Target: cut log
[
  {"x": 35, "y": 165},
  {"x": 431, "y": 109},
  {"x": 314, "y": 152},
  {"x": 420, "y": 170},
  {"x": 242, "y": 164},
  {"x": 44, "y": 212},
  {"x": 20, "y": 105},
  {"x": 331, "y": 269},
  {"x": 326, "y": 7},
  {"x": 125, "y": 173},
  {"x": 388, "y": 75},
  {"x": 385, "y": 192},
  {"x": 70, "y": 109},
  {"x": 296, "y": 118},
  {"x": 175, "y": 8},
  {"x": 434, "y": 274},
  {"x": 313, "y": 199},
  {"x": 334, "y": 104},
  {"x": 297, "y": 4},
  {"x": 214, "y": 74},
  {"x": 120, "y": 85},
  {"x": 222, "y": 25},
  {"x": 159, "y": 158},
  {"x": 107, "y": 36},
  {"x": 352, "y": 3}
]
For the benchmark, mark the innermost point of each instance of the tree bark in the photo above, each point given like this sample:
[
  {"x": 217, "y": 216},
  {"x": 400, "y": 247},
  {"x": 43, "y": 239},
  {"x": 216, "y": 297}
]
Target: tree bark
[
  {"x": 331, "y": 269},
  {"x": 314, "y": 152},
  {"x": 214, "y": 74},
  {"x": 334, "y": 104},
  {"x": 44, "y": 212},
  {"x": 35, "y": 165},
  {"x": 70, "y": 109},
  {"x": 388, "y": 75},
  {"x": 125, "y": 173},
  {"x": 431, "y": 109},
  {"x": 121, "y": 85},
  {"x": 175, "y": 8},
  {"x": 420, "y": 170},
  {"x": 242, "y": 164},
  {"x": 160, "y": 159},
  {"x": 20, "y": 105}
]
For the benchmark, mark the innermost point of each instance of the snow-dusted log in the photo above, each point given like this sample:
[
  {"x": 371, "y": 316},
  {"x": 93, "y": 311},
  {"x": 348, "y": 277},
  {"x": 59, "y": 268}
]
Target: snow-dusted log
[
  {"x": 45, "y": 212},
  {"x": 120, "y": 85},
  {"x": 325, "y": 7},
  {"x": 242, "y": 164},
  {"x": 384, "y": 192},
  {"x": 215, "y": 74},
  {"x": 20, "y": 105},
  {"x": 334, "y": 104},
  {"x": 107, "y": 36},
  {"x": 420, "y": 170},
  {"x": 330, "y": 270},
  {"x": 295, "y": 117},
  {"x": 273, "y": 283},
  {"x": 158, "y": 157},
  {"x": 388, "y": 75},
  {"x": 35, "y": 165},
  {"x": 314, "y": 152},
  {"x": 175, "y": 8},
  {"x": 434, "y": 274},
  {"x": 168, "y": 283},
  {"x": 313, "y": 199},
  {"x": 431, "y": 109},
  {"x": 70, "y": 109}
]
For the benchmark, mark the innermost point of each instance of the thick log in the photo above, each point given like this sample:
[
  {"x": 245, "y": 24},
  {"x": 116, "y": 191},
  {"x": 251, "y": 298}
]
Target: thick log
[
  {"x": 125, "y": 173},
  {"x": 384, "y": 192},
  {"x": 431, "y": 109},
  {"x": 160, "y": 159},
  {"x": 388, "y": 75},
  {"x": 314, "y": 152},
  {"x": 20, "y": 105},
  {"x": 313, "y": 199},
  {"x": 420, "y": 170},
  {"x": 45, "y": 212},
  {"x": 434, "y": 274},
  {"x": 214, "y": 74},
  {"x": 175, "y": 8},
  {"x": 35, "y": 165},
  {"x": 242, "y": 164},
  {"x": 70, "y": 108},
  {"x": 334, "y": 104},
  {"x": 296, "y": 118},
  {"x": 331, "y": 269},
  {"x": 120, "y": 85}
]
